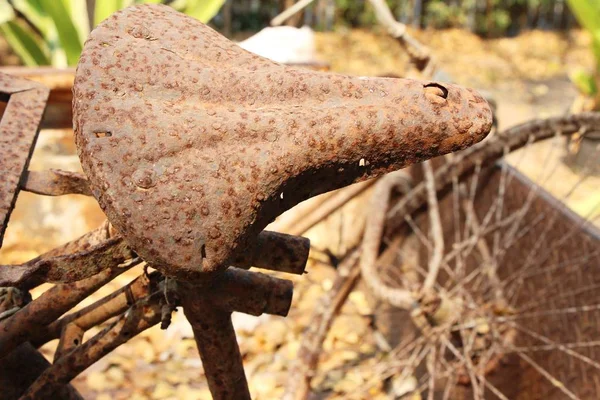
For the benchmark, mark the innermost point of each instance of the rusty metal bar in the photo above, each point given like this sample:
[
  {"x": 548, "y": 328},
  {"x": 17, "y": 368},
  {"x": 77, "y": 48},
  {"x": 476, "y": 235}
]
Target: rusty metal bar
[
  {"x": 18, "y": 134},
  {"x": 142, "y": 316},
  {"x": 70, "y": 338},
  {"x": 55, "y": 183},
  {"x": 208, "y": 308},
  {"x": 20, "y": 368},
  {"x": 83, "y": 243},
  {"x": 24, "y": 275},
  {"x": 69, "y": 267},
  {"x": 109, "y": 306},
  {"x": 58, "y": 113},
  {"x": 217, "y": 345},
  {"x": 49, "y": 306},
  {"x": 55, "y": 79},
  {"x": 249, "y": 292},
  {"x": 277, "y": 252}
]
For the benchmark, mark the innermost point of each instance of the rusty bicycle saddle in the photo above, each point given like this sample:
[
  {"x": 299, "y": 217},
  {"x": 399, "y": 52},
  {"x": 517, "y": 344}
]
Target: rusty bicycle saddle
[{"x": 193, "y": 145}]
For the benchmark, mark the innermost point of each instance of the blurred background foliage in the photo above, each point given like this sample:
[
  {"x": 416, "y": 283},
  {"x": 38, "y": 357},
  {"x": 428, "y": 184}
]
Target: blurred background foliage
[
  {"x": 52, "y": 32},
  {"x": 484, "y": 17},
  {"x": 43, "y": 32},
  {"x": 588, "y": 82}
]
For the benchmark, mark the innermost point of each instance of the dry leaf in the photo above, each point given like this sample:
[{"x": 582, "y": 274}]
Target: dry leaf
[
  {"x": 162, "y": 391},
  {"x": 97, "y": 381}
]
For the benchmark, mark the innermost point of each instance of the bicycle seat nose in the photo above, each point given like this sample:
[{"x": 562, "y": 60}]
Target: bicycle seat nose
[{"x": 193, "y": 145}]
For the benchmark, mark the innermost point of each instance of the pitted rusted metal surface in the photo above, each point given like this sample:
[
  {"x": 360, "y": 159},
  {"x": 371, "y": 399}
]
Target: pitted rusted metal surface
[
  {"x": 193, "y": 145},
  {"x": 18, "y": 133},
  {"x": 277, "y": 252},
  {"x": 55, "y": 182},
  {"x": 68, "y": 267},
  {"x": 81, "y": 254},
  {"x": 218, "y": 348},
  {"x": 59, "y": 81}
]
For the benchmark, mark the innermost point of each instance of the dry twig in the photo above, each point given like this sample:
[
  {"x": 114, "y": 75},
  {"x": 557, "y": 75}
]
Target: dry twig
[
  {"x": 289, "y": 12},
  {"x": 349, "y": 271},
  {"x": 419, "y": 54}
]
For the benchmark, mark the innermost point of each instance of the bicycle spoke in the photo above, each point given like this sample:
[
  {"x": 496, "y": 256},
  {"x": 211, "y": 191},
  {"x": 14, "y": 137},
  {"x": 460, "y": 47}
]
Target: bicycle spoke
[
  {"x": 471, "y": 194},
  {"x": 531, "y": 196},
  {"x": 456, "y": 207},
  {"x": 575, "y": 228},
  {"x": 555, "y": 382},
  {"x": 550, "y": 347},
  {"x": 469, "y": 366},
  {"x": 432, "y": 369},
  {"x": 546, "y": 313},
  {"x": 436, "y": 230},
  {"x": 557, "y": 346},
  {"x": 578, "y": 291},
  {"x": 481, "y": 242},
  {"x": 450, "y": 385}
]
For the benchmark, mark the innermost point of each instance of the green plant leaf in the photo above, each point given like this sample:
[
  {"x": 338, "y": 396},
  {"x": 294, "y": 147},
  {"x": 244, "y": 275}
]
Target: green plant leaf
[
  {"x": 584, "y": 81},
  {"x": 587, "y": 13},
  {"x": 6, "y": 12},
  {"x": 25, "y": 43},
  {"x": 79, "y": 15},
  {"x": 203, "y": 10},
  {"x": 33, "y": 11},
  {"x": 105, "y": 8},
  {"x": 179, "y": 5},
  {"x": 67, "y": 33}
]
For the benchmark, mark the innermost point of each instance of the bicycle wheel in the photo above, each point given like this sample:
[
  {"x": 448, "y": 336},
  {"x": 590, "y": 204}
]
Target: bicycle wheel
[{"x": 513, "y": 309}]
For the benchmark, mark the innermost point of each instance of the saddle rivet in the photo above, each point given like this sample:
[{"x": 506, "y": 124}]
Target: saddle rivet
[{"x": 144, "y": 178}]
